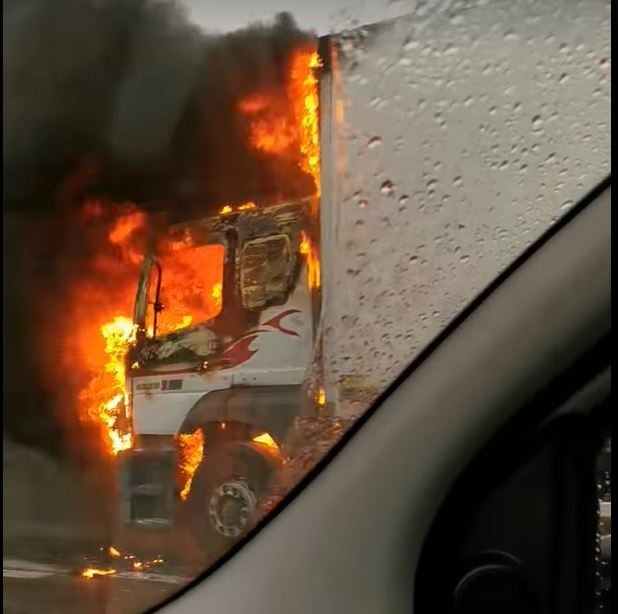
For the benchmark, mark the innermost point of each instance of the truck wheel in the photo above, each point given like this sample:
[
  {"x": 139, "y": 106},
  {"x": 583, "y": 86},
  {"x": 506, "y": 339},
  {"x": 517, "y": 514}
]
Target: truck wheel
[{"x": 224, "y": 496}]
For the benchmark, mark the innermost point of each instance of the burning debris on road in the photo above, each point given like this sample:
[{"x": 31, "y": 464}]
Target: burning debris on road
[{"x": 119, "y": 562}]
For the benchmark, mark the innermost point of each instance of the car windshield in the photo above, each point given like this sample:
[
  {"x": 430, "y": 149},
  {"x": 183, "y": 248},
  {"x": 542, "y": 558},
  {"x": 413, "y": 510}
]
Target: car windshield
[{"x": 343, "y": 179}]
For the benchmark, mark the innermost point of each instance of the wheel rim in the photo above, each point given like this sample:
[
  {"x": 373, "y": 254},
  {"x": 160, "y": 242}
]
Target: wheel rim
[{"x": 231, "y": 508}]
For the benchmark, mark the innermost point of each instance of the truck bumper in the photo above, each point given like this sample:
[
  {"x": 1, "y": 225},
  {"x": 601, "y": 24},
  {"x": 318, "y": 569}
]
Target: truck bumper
[{"x": 147, "y": 487}]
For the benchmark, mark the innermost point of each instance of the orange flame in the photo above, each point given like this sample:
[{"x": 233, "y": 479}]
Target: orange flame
[
  {"x": 266, "y": 440},
  {"x": 304, "y": 89},
  {"x": 129, "y": 559},
  {"x": 313, "y": 261},
  {"x": 227, "y": 209},
  {"x": 191, "y": 293},
  {"x": 118, "y": 335},
  {"x": 92, "y": 572},
  {"x": 274, "y": 130},
  {"x": 190, "y": 453}
]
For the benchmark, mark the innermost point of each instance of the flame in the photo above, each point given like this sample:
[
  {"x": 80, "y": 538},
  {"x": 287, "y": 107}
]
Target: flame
[
  {"x": 92, "y": 572},
  {"x": 228, "y": 209},
  {"x": 113, "y": 552},
  {"x": 122, "y": 233},
  {"x": 190, "y": 453},
  {"x": 308, "y": 249},
  {"x": 304, "y": 87},
  {"x": 217, "y": 295},
  {"x": 267, "y": 440},
  {"x": 129, "y": 559},
  {"x": 191, "y": 292},
  {"x": 275, "y": 130},
  {"x": 321, "y": 397},
  {"x": 105, "y": 399},
  {"x": 190, "y": 283}
]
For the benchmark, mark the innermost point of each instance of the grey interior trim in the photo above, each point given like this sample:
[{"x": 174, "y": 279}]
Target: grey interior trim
[
  {"x": 350, "y": 541},
  {"x": 589, "y": 397}
]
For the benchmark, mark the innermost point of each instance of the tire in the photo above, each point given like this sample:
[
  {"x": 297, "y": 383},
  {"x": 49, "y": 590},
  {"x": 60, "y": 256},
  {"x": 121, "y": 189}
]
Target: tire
[{"x": 230, "y": 478}]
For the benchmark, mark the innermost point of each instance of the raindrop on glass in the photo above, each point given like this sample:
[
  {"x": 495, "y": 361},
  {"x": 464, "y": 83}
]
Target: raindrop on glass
[{"x": 387, "y": 188}]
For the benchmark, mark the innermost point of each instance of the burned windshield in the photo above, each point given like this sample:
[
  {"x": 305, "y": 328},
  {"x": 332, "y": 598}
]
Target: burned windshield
[{"x": 191, "y": 287}]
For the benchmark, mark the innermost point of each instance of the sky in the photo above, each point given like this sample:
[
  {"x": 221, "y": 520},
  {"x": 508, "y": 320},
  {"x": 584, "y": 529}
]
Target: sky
[{"x": 321, "y": 16}]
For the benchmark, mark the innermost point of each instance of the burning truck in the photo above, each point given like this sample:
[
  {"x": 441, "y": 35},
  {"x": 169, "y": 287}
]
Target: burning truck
[
  {"x": 196, "y": 389},
  {"x": 183, "y": 290},
  {"x": 208, "y": 404}
]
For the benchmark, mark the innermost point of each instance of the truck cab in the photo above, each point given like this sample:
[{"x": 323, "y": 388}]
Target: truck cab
[{"x": 225, "y": 316}]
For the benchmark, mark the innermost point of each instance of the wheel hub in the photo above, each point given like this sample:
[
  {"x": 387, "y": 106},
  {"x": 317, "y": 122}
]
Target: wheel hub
[{"x": 231, "y": 508}]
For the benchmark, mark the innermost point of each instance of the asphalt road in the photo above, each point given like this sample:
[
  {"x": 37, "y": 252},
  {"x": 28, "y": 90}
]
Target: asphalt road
[
  {"x": 57, "y": 522},
  {"x": 28, "y": 589}
]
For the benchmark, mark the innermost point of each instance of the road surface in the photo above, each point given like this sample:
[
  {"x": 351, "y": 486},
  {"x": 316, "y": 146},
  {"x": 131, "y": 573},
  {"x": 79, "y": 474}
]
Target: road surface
[{"x": 36, "y": 588}]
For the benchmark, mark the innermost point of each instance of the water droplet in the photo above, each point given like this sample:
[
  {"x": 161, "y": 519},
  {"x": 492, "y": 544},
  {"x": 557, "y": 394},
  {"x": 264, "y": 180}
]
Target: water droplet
[
  {"x": 567, "y": 204},
  {"x": 403, "y": 199},
  {"x": 564, "y": 77},
  {"x": 387, "y": 188},
  {"x": 374, "y": 141},
  {"x": 363, "y": 204},
  {"x": 458, "y": 181},
  {"x": 537, "y": 122},
  {"x": 463, "y": 259},
  {"x": 411, "y": 44},
  {"x": 605, "y": 63},
  {"x": 450, "y": 49}
]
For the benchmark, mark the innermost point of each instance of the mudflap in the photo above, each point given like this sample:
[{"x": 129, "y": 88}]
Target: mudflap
[{"x": 147, "y": 487}]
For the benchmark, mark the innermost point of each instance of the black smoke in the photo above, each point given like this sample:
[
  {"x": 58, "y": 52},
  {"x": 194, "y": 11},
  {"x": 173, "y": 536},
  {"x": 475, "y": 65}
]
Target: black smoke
[{"x": 119, "y": 100}]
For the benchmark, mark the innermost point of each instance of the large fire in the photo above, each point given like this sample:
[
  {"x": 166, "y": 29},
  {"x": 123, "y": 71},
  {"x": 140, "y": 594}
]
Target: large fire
[
  {"x": 192, "y": 292},
  {"x": 281, "y": 124},
  {"x": 274, "y": 130}
]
